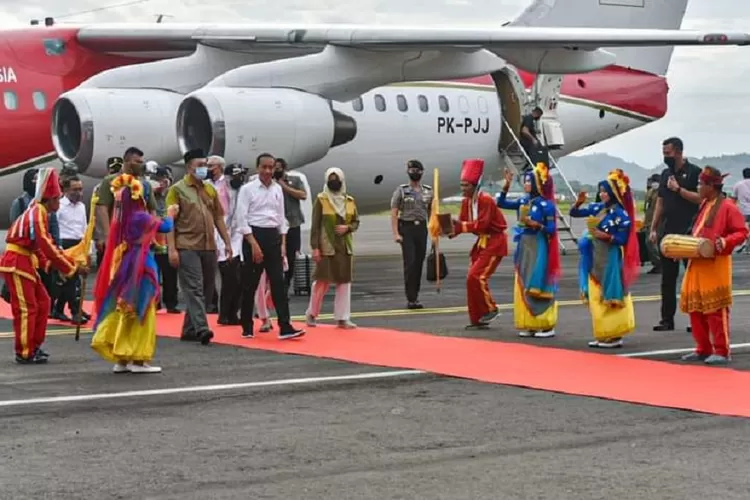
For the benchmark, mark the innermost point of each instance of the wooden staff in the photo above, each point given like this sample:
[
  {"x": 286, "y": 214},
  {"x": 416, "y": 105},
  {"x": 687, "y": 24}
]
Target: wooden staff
[{"x": 79, "y": 314}]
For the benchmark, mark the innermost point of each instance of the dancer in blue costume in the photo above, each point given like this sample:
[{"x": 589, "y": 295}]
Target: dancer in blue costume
[
  {"x": 125, "y": 330},
  {"x": 537, "y": 255},
  {"x": 609, "y": 259}
]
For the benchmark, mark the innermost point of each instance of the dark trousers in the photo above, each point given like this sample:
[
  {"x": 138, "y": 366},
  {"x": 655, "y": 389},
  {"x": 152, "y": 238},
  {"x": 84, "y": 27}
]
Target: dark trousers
[
  {"x": 670, "y": 271},
  {"x": 50, "y": 282},
  {"x": 269, "y": 241},
  {"x": 197, "y": 275},
  {"x": 293, "y": 245},
  {"x": 413, "y": 251},
  {"x": 231, "y": 290},
  {"x": 168, "y": 279},
  {"x": 70, "y": 290}
]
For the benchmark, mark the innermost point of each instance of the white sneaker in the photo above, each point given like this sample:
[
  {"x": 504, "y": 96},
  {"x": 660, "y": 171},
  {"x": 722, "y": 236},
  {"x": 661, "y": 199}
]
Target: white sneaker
[
  {"x": 545, "y": 335},
  {"x": 346, "y": 325},
  {"x": 310, "y": 320},
  {"x": 120, "y": 369},
  {"x": 267, "y": 326},
  {"x": 144, "y": 368}
]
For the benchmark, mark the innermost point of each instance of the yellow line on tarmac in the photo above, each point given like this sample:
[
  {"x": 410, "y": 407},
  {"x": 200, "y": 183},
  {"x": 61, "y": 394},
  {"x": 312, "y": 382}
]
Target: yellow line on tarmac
[{"x": 389, "y": 313}]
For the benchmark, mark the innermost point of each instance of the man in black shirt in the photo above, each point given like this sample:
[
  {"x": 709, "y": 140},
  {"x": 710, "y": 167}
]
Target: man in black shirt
[
  {"x": 676, "y": 207},
  {"x": 528, "y": 138}
]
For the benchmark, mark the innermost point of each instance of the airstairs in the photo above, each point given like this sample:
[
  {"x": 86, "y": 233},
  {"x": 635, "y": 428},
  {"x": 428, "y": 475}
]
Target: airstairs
[{"x": 517, "y": 161}]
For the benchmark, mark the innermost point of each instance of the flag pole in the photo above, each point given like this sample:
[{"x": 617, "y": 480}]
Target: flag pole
[{"x": 436, "y": 242}]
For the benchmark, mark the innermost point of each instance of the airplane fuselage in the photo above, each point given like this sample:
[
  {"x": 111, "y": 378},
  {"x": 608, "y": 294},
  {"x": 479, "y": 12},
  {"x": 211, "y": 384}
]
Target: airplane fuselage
[{"x": 441, "y": 123}]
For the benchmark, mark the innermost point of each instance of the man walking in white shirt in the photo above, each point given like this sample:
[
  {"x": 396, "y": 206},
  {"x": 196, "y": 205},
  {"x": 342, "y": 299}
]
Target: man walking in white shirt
[
  {"x": 73, "y": 221},
  {"x": 741, "y": 194},
  {"x": 261, "y": 219}
]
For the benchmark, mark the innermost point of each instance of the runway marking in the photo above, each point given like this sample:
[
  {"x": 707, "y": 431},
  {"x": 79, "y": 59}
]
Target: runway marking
[
  {"x": 647, "y": 354},
  {"x": 209, "y": 388}
]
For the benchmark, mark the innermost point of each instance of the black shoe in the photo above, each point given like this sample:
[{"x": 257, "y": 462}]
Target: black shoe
[
  {"x": 223, "y": 321},
  {"x": 206, "y": 337},
  {"x": 689, "y": 329},
  {"x": 41, "y": 353},
  {"x": 291, "y": 332},
  {"x": 477, "y": 326},
  {"x": 189, "y": 338},
  {"x": 173, "y": 310},
  {"x": 61, "y": 317},
  {"x": 247, "y": 334},
  {"x": 489, "y": 317},
  {"x": 664, "y": 326},
  {"x": 414, "y": 305},
  {"x": 35, "y": 359}
]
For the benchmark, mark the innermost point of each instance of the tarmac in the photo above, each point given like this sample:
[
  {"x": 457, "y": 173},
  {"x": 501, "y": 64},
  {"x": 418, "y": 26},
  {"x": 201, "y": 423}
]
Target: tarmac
[{"x": 231, "y": 423}]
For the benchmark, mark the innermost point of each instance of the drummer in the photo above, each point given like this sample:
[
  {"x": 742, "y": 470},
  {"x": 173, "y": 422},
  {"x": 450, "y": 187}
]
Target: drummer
[{"x": 707, "y": 286}]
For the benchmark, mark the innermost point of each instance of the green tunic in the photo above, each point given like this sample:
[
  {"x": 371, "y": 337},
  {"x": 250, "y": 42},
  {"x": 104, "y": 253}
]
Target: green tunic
[{"x": 337, "y": 253}]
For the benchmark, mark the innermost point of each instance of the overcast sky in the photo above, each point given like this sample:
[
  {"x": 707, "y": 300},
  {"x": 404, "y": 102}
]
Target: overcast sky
[{"x": 708, "y": 86}]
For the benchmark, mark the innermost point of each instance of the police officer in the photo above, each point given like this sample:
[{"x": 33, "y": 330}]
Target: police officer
[{"x": 410, "y": 210}]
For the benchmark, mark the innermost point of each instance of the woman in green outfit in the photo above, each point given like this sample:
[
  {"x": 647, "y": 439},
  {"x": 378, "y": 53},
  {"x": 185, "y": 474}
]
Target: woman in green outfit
[{"x": 334, "y": 221}]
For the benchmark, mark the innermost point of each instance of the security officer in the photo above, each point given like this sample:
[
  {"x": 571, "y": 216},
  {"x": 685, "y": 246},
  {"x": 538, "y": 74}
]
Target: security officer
[{"x": 410, "y": 211}]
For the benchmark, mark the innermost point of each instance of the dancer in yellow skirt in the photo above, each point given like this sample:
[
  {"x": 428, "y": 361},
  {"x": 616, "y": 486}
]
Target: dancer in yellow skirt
[
  {"x": 537, "y": 256},
  {"x": 125, "y": 329},
  {"x": 609, "y": 259}
]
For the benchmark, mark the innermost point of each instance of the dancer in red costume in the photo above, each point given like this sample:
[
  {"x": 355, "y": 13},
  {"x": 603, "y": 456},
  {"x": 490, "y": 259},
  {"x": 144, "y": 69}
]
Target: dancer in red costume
[
  {"x": 707, "y": 286},
  {"x": 29, "y": 247},
  {"x": 480, "y": 216}
]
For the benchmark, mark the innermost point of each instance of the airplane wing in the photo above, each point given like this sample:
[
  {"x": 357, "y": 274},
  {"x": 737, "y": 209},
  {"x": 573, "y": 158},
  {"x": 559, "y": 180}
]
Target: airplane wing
[{"x": 290, "y": 40}]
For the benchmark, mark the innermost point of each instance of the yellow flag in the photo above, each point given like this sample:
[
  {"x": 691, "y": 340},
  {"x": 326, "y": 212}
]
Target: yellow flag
[
  {"x": 434, "y": 224},
  {"x": 80, "y": 252}
]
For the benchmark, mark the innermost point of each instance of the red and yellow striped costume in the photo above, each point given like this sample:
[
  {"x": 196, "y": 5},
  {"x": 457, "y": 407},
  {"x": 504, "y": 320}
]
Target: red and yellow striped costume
[{"x": 29, "y": 246}]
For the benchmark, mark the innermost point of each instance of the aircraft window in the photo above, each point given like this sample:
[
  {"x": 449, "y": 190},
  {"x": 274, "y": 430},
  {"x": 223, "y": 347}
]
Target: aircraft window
[
  {"x": 403, "y": 106},
  {"x": 482, "y": 102},
  {"x": 379, "y": 102},
  {"x": 424, "y": 105},
  {"x": 54, "y": 47},
  {"x": 40, "y": 100},
  {"x": 443, "y": 102},
  {"x": 358, "y": 104},
  {"x": 463, "y": 104},
  {"x": 11, "y": 100}
]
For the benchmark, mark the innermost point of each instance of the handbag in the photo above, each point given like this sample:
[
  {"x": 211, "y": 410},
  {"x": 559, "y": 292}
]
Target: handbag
[{"x": 431, "y": 265}]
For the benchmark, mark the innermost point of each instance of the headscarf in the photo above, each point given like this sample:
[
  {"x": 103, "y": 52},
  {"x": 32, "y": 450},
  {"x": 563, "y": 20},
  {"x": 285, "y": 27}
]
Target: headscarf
[
  {"x": 29, "y": 185},
  {"x": 542, "y": 185},
  {"x": 135, "y": 284},
  {"x": 337, "y": 199},
  {"x": 617, "y": 186}
]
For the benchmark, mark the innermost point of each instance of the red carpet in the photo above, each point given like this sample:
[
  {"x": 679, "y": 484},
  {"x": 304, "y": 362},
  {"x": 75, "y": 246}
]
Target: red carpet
[
  {"x": 696, "y": 388},
  {"x": 688, "y": 387}
]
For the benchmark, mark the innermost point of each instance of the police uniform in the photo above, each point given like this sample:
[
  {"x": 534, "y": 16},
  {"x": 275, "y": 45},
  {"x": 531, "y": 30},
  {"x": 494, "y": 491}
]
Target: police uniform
[{"x": 413, "y": 205}]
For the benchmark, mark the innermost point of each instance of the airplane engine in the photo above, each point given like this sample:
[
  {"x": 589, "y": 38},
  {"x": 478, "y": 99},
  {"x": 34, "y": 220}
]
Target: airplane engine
[
  {"x": 241, "y": 123},
  {"x": 91, "y": 125}
]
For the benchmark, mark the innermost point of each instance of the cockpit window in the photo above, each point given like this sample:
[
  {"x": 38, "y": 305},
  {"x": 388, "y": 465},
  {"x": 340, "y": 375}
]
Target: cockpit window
[{"x": 54, "y": 47}]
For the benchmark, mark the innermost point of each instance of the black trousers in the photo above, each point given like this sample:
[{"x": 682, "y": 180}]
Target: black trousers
[
  {"x": 670, "y": 271},
  {"x": 293, "y": 245},
  {"x": 413, "y": 251},
  {"x": 231, "y": 289},
  {"x": 70, "y": 290},
  {"x": 168, "y": 275},
  {"x": 51, "y": 284},
  {"x": 269, "y": 241}
]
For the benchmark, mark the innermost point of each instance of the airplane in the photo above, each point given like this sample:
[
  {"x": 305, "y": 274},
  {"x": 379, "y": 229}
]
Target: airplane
[{"x": 362, "y": 98}]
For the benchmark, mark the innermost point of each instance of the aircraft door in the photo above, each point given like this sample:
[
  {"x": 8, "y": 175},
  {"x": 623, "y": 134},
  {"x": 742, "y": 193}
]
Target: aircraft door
[{"x": 511, "y": 94}]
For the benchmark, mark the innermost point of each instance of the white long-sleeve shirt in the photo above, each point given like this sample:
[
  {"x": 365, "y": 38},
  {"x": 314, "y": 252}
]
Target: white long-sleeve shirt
[
  {"x": 260, "y": 206},
  {"x": 72, "y": 219}
]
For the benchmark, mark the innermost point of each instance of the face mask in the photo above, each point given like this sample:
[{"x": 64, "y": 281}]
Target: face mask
[
  {"x": 75, "y": 197},
  {"x": 669, "y": 162},
  {"x": 334, "y": 185},
  {"x": 654, "y": 185},
  {"x": 235, "y": 183},
  {"x": 415, "y": 176},
  {"x": 201, "y": 172},
  {"x": 278, "y": 174}
]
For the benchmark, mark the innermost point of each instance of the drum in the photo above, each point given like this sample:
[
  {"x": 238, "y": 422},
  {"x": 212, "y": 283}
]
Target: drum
[{"x": 682, "y": 246}]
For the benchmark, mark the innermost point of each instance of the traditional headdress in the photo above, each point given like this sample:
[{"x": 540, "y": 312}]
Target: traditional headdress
[
  {"x": 542, "y": 185},
  {"x": 47, "y": 185},
  {"x": 617, "y": 186},
  {"x": 472, "y": 170},
  {"x": 713, "y": 177}
]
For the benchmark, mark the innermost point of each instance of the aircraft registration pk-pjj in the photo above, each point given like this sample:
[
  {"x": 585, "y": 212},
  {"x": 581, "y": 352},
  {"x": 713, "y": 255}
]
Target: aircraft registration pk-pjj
[{"x": 362, "y": 98}]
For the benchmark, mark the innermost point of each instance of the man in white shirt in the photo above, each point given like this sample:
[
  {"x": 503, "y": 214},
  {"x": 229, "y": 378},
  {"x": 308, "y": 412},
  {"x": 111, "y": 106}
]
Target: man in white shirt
[
  {"x": 73, "y": 221},
  {"x": 260, "y": 218},
  {"x": 741, "y": 194},
  {"x": 216, "y": 165}
]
